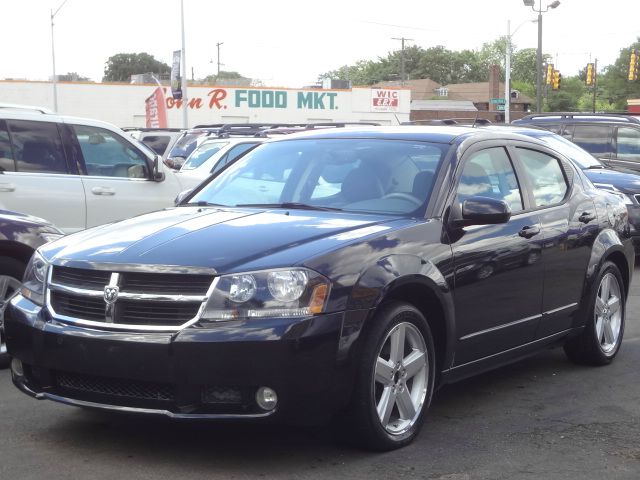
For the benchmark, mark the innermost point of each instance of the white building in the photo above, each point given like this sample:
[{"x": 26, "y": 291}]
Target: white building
[{"x": 124, "y": 105}]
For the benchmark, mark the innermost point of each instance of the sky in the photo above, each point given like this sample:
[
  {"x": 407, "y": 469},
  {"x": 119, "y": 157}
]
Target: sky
[{"x": 289, "y": 43}]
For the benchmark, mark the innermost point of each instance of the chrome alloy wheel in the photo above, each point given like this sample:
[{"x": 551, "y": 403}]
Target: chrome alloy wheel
[
  {"x": 401, "y": 378},
  {"x": 608, "y": 313},
  {"x": 8, "y": 286}
]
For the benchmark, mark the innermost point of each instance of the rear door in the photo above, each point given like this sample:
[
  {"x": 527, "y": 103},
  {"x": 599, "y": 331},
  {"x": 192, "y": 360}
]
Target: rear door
[
  {"x": 569, "y": 226},
  {"x": 36, "y": 177}
]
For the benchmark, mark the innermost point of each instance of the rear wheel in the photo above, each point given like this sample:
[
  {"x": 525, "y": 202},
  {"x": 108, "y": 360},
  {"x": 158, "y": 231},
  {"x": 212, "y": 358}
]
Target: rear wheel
[
  {"x": 600, "y": 341},
  {"x": 395, "y": 378},
  {"x": 11, "y": 271}
]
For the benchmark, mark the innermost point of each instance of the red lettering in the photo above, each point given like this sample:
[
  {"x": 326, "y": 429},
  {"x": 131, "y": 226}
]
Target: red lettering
[
  {"x": 173, "y": 103},
  {"x": 217, "y": 95},
  {"x": 195, "y": 103}
]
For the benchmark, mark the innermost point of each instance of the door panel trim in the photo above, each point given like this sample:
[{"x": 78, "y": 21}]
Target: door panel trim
[{"x": 500, "y": 327}]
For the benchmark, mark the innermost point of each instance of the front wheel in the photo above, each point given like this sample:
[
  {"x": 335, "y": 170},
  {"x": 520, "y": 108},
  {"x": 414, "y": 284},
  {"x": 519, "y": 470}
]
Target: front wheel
[
  {"x": 395, "y": 378},
  {"x": 600, "y": 341}
]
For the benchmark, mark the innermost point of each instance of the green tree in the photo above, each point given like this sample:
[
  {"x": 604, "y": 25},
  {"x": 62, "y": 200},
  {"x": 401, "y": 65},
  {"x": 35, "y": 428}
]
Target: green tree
[
  {"x": 616, "y": 88},
  {"x": 120, "y": 67}
]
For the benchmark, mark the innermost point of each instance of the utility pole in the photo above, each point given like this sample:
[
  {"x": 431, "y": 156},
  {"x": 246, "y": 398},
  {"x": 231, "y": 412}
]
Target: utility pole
[
  {"x": 185, "y": 99},
  {"x": 507, "y": 77},
  {"x": 218, "y": 47},
  {"x": 402, "y": 39}
]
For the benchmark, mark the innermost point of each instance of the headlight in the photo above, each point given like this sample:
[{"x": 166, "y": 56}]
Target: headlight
[
  {"x": 294, "y": 292},
  {"x": 35, "y": 279}
]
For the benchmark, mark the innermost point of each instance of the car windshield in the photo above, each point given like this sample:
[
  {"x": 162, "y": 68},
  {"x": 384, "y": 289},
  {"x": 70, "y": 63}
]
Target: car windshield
[
  {"x": 357, "y": 175},
  {"x": 202, "y": 154},
  {"x": 581, "y": 157},
  {"x": 185, "y": 145}
]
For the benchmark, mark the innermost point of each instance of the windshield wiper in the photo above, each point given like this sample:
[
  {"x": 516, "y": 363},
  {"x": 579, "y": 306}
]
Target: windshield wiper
[
  {"x": 290, "y": 205},
  {"x": 595, "y": 167},
  {"x": 202, "y": 204}
]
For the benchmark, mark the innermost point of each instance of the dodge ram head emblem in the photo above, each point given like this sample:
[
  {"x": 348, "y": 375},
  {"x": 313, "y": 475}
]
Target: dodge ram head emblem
[{"x": 111, "y": 294}]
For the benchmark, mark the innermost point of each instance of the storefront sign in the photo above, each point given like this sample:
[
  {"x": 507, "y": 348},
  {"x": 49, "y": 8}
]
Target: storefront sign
[{"x": 383, "y": 100}]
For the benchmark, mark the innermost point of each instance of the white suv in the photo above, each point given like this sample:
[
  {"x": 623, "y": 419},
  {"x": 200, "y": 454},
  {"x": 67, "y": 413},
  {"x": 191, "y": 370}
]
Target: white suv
[{"x": 77, "y": 173}]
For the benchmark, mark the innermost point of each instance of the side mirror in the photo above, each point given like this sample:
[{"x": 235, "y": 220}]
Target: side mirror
[
  {"x": 175, "y": 163},
  {"x": 181, "y": 196},
  {"x": 158, "y": 176},
  {"x": 480, "y": 211}
]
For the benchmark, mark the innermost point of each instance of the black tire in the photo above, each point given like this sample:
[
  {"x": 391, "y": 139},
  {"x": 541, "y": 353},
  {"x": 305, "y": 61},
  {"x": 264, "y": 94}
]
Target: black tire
[
  {"x": 369, "y": 431},
  {"x": 15, "y": 269},
  {"x": 587, "y": 348}
]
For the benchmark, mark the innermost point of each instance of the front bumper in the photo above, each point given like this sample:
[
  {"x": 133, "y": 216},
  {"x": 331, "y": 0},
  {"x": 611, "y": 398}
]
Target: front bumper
[{"x": 211, "y": 373}]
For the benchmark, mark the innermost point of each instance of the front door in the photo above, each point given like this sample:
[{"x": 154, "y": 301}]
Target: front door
[{"x": 498, "y": 268}]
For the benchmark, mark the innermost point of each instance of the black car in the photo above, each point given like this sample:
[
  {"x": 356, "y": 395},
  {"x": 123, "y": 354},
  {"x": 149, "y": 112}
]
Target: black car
[
  {"x": 625, "y": 184},
  {"x": 20, "y": 235},
  {"x": 612, "y": 138},
  {"x": 325, "y": 273}
]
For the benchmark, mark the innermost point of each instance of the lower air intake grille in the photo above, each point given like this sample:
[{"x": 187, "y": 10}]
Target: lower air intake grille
[{"x": 115, "y": 387}]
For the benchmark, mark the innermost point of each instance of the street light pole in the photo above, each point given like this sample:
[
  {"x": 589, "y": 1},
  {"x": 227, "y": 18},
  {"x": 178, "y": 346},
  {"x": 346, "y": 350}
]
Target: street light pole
[
  {"x": 531, "y": 3},
  {"x": 53, "y": 59},
  {"x": 507, "y": 77}
]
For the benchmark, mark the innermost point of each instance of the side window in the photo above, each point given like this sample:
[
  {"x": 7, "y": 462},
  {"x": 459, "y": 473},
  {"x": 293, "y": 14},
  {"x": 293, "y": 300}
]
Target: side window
[
  {"x": 545, "y": 175},
  {"x": 628, "y": 143},
  {"x": 37, "y": 147},
  {"x": 157, "y": 143},
  {"x": 232, "y": 154},
  {"x": 489, "y": 173},
  {"x": 7, "y": 163},
  {"x": 107, "y": 155},
  {"x": 595, "y": 139}
]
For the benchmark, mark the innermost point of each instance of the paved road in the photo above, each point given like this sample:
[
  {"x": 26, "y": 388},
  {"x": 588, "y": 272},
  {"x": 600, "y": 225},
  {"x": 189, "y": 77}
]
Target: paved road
[{"x": 543, "y": 418}]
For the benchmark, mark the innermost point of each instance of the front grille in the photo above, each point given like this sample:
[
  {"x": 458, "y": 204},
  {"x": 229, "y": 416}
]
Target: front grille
[
  {"x": 144, "y": 299},
  {"x": 155, "y": 313},
  {"x": 77, "y": 306},
  {"x": 115, "y": 387},
  {"x": 166, "y": 283},
  {"x": 80, "y": 278}
]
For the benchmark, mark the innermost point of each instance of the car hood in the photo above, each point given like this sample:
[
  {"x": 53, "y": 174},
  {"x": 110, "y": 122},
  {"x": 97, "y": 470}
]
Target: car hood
[
  {"x": 221, "y": 239},
  {"x": 625, "y": 182}
]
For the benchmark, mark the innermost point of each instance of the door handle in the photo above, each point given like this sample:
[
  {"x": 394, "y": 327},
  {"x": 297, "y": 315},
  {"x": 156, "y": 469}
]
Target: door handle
[
  {"x": 529, "y": 231},
  {"x": 7, "y": 187},
  {"x": 103, "y": 191},
  {"x": 586, "y": 217}
]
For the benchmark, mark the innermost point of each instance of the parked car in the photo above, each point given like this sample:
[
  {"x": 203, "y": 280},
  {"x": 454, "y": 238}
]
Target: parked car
[
  {"x": 211, "y": 156},
  {"x": 613, "y": 138},
  {"x": 318, "y": 275},
  {"x": 625, "y": 185},
  {"x": 160, "y": 140},
  {"x": 20, "y": 235},
  {"x": 77, "y": 173},
  {"x": 192, "y": 138}
]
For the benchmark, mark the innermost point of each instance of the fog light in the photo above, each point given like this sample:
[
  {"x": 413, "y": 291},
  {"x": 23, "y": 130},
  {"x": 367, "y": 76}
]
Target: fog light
[
  {"x": 266, "y": 398},
  {"x": 16, "y": 367}
]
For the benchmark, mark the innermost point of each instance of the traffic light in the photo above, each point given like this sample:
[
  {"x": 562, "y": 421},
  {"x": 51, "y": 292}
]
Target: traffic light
[
  {"x": 634, "y": 61},
  {"x": 556, "y": 79},
  {"x": 590, "y": 80},
  {"x": 549, "y": 74}
]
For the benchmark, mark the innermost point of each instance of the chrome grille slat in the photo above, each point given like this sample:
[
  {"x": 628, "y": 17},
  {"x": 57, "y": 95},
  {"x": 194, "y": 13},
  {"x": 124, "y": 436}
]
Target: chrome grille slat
[{"x": 160, "y": 301}]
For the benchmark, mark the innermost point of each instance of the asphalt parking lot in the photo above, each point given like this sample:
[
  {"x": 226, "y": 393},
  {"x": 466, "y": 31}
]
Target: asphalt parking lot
[{"x": 543, "y": 418}]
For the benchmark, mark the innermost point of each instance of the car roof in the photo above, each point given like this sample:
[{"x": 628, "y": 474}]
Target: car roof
[
  {"x": 437, "y": 134},
  {"x": 579, "y": 117}
]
